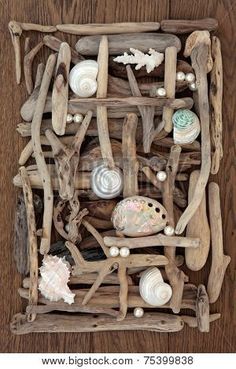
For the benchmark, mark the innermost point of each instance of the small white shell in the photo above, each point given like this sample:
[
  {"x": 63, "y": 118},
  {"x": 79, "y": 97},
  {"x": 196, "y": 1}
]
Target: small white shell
[
  {"x": 161, "y": 175},
  {"x": 161, "y": 92},
  {"x": 169, "y": 231},
  {"x": 78, "y": 118},
  {"x": 186, "y": 126},
  {"x": 153, "y": 289},
  {"x": 124, "y": 252},
  {"x": 82, "y": 78},
  {"x": 106, "y": 183},
  {"x": 54, "y": 278},
  {"x": 114, "y": 251},
  {"x": 190, "y": 77},
  {"x": 138, "y": 312},
  {"x": 69, "y": 118},
  {"x": 180, "y": 76},
  {"x": 192, "y": 86}
]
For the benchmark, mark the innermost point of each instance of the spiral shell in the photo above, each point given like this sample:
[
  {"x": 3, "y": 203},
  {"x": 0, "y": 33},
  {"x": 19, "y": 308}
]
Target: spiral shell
[
  {"x": 153, "y": 289},
  {"x": 54, "y": 278},
  {"x": 106, "y": 183},
  {"x": 82, "y": 78},
  {"x": 186, "y": 126}
]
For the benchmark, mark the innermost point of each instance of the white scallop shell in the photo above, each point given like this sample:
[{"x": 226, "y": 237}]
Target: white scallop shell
[
  {"x": 82, "y": 78},
  {"x": 153, "y": 289},
  {"x": 54, "y": 278},
  {"x": 186, "y": 126},
  {"x": 106, "y": 183}
]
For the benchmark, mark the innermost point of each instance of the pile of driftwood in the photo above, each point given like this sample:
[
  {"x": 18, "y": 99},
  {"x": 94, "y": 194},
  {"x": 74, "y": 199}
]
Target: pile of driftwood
[{"x": 126, "y": 126}]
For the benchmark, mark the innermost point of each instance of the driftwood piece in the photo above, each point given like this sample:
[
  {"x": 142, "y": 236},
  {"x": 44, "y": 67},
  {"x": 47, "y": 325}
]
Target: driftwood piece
[
  {"x": 219, "y": 261},
  {"x": 42, "y": 167},
  {"x": 101, "y": 209},
  {"x": 44, "y": 309},
  {"x": 198, "y": 226},
  {"x": 216, "y": 94},
  {"x": 60, "y": 90},
  {"x": 197, "y": 46},
  {"x": 16, "y": 31},
  {"x": 32, "y": 238},
  {"x": 192, "y": 322},
  {"x": 37, "y": 27},
  {"x": 130, "y": 162},
  {"x": 147, "y": 112},
  {"x": 180, "y": 26},
  {"x": 202, "y": 309},
  {"x": 28, "y": 67},
  {"x": 122, "y": 43},
  {"x": 54, "y": 43}
]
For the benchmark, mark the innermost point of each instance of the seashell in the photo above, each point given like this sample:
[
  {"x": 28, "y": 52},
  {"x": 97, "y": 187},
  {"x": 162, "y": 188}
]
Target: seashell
[
  {"x": 138, "y": 216},
  {"x": 54, "y": 278},
  {"x": 106, "y": 183},
  {"x": 186, "y": 126},
  {"x": 153, "y": 289},
  {"x": 82, "y": 78}
]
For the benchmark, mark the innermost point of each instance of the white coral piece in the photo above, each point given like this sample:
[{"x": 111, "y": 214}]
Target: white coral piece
[
  {"x": 150, "y": 60},
  {"x": 55, "y": 275}
]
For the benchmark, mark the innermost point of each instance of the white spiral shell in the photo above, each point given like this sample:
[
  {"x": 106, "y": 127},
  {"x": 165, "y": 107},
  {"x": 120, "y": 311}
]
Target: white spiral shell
[
  {"x": 82, "y": 78},
  {"x": 153, "y": 289},
  {"x": 186, "y": 126},
  {"x": 106, "y": 183},
  {"x": 54, "y": 278}
]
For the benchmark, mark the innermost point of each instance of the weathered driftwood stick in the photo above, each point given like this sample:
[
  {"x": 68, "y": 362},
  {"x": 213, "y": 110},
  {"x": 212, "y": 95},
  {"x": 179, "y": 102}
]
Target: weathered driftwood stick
[
  {"x": 148, "y": 241},
  {"x": 197, "y": 46},
  {"x": 33, "y": 247},
  {"x": 96, "y": 235},
  {"x": 60, "y": 90},
  {"x": 16, "y": 31},
  {"x": 42, "y": 167},
  {"x": 216, "y": 94},
  {"x": 28, "y": 67},
  {"x": 168, "y": 142},
  {"x": 156, "y": 322},
  {"x": 122, "y": 43},
  {"x": 27, "y": 45},
  {"x": 44, "y": 309},
  {"x": 147, "y": 112},
  {"x": 37, "y": 27},
  {"x": 191, "y": 321},
  {"x": 54, "y": 43},
  {"x": 202, "y": 309},
  {"x": 219, "y": 261},
  {"x": 130, "y": 162},
  {"x": 198, "y": 226},
  {"x": 180, "y": 26},
  {"x": 102, "y": 121}
]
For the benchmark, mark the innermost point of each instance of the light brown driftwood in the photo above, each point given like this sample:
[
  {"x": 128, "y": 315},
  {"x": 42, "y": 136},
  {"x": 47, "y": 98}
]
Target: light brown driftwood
[
  {"x": 16, "y": 31},
  {"x": 27, "y": 45},
  {"x": 60, "y": 90},
  {"x": 37, "y": 27},
  {"x": 168, "y": 142},
  {"x": 197, "y": 46},
  {"x": 216, "y": 94},
  {"x": 198, "y": 226},
  {"x": 44, "y": 309},
  {"x": 28, "y": 67},
  {"x": 42, "y": 167},
  {"x": 202, "y": 309},
  {"x": 219, "y": 261},
  {"x": 54, "y": 43},
  {"x": 191, "y": 321},
  {"x": 180, "y": 26}
]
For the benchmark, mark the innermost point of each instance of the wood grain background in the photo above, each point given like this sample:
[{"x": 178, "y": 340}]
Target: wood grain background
[{"x": 222, "y": 335}]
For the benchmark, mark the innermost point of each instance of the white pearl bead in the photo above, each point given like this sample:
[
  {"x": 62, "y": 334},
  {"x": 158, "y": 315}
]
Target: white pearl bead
[
  {"x": 180, "y": 76},
  {"x": 124, "y": 252},
  {"x": 192, "y": 86},
  {"x": 78, "y": 118},
  {"x": 138, "y": 312},
  {"x": 67, "y": 227},
  {"x": 161, "y": 92},
  {"x": 114, "y": 251},
  {"x": 161, "y": 175},
  {"x": 190, "y": 77},
  {"x": 169, "y": 231},
  {"x": 69, "y": 118}
]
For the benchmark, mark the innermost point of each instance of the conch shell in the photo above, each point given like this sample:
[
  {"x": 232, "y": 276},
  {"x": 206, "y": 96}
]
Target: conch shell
[
  {"x": 138, "y": 216},
  {"x": 186, "y": 126},
  {"x": 153, "y": 289},
  {"x": 54, "y": 278},
  {"x": 82, "y": 78},
  {"x": 106, "y": 183}
]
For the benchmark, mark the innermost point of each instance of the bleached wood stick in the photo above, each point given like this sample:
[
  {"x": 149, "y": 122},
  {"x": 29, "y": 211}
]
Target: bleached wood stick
[
  {"x": 16, "y": 31},
  {"x": 28, "y": 67},
  {"x": 179, "y": 26},
  {"x": 191, "y": 321},
  {"x": 202, "y": 309},
  {"x": 54, "y": 43},
  {"x": 169, "y": 84},
  {"x": 219, "y": 261},
  {"x": 42, "y": 167},
  {"x": 37, "y": 27}
]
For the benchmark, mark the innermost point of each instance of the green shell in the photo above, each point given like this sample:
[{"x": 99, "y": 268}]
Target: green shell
[{"x": 183, "y": 118}]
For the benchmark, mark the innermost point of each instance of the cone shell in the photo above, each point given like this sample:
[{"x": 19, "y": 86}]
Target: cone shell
[
  {"x": 138, "y": 216},
  {"x": 82, "y": 78},
  {"x": 186, "y": 126}
]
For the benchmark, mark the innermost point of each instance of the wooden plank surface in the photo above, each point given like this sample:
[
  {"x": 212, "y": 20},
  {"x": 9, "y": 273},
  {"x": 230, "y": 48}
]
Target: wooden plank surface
[{"x": 221, "y": 337}]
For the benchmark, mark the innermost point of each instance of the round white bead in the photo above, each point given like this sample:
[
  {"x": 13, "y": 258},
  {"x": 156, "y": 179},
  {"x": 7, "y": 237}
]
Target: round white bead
[
  {"x": 67, "y": 227},
  {"x": 180, "y": 76},
  {"x": 138, "y": 312},
  {"x": 69, "y": 118},
  {"x": 192, "y": 86},
  {"x": 124, "y": 252},
  {"x": 190, "y": 77},
  {"x": 78, "y": 118},
  {"x": 161, "y": 92},
  {"x": 114, "y": 251},
  {"x": 169, "y": 231},
  {"x": 161, "y": 175}
]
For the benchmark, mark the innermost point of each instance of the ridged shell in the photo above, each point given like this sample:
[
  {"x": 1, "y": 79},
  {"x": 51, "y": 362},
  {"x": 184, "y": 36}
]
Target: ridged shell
[
  {"x": 186, "y": 126},
  {"x": 54, "y": 278},
  {"x": 138, "y": 216},
  {"x": 153, "y": 289},
  {"x": 106, "y": 183},
  {"x": 82, "y": 78}
]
